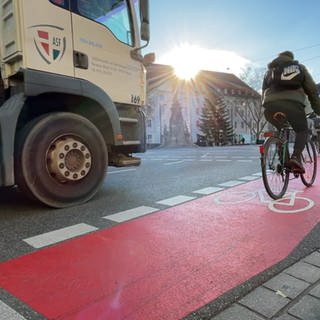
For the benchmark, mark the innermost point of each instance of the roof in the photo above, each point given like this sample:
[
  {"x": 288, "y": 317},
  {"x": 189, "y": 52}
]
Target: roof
[{"x": 157, "y": 74}]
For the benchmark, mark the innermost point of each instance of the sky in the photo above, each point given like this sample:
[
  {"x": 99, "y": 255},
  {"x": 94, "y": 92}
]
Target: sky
[{"x": 225, "y": 35}]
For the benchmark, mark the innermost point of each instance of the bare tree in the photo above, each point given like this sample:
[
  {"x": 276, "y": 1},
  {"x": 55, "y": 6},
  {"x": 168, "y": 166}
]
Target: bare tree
[
  {"x": 253, "y": 76},
  {"x": 253, "y": 117},
  {"x": 252, "y": 113}
]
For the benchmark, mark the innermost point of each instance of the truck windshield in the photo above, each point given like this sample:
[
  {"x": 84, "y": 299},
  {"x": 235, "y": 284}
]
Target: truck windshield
[{"x": 114, "y": 14}]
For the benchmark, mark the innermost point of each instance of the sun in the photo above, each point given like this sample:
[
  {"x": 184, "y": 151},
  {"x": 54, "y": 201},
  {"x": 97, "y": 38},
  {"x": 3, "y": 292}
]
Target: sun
[{"x": 187, "y": 60}]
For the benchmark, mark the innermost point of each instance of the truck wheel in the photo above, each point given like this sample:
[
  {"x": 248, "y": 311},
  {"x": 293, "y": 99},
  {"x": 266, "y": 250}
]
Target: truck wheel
[{"x": 61, "y": 159}]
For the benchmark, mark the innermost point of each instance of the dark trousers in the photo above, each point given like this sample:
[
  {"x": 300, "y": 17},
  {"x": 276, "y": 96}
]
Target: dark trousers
[{"x": 296, "y": 116}]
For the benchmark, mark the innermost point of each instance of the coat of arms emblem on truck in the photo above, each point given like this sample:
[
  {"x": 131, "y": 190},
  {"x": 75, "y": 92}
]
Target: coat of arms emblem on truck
[{"x": 49, "y": 42}]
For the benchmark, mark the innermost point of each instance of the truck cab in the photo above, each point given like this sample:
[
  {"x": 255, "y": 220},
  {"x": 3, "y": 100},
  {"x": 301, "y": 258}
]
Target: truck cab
[{"x": 71, "y": 91}]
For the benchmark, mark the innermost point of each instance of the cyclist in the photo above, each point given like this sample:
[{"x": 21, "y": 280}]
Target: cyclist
[{"x": 285, "y": 87}]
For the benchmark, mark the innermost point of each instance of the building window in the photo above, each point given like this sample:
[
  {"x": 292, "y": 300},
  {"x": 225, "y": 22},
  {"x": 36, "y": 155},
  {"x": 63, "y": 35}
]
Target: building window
[
  {"x": 235, "y": 124},
  {"x": 149, "y": 137},
  {"x": 149, "y": 124}
]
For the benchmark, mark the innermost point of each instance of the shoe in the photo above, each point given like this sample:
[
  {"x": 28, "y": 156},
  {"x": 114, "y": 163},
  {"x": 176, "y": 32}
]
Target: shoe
[{"x": 296, "y": 165}]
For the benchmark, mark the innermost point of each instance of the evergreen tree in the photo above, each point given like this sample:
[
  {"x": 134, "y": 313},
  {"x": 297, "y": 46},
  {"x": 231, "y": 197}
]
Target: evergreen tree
[
  {"x": 207, "y": 122},
  {"x": 215, "y": 121},
  {"x": 224, "y": 122}
]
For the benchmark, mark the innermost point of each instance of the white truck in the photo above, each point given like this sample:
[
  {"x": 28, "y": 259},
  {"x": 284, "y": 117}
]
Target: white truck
[{"x": 71, "y": 90}]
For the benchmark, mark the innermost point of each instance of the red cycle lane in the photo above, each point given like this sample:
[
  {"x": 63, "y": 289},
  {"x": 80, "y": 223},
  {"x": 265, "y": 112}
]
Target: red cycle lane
[{"x": 169, "y": 263}]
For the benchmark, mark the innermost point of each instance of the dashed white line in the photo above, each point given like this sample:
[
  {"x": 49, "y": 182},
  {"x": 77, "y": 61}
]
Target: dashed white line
[
  {"x": 249, "y": 178},
  {"x": 130, "y": 214},
  {"x": 171, "y": 163},
  {"x": 7, "y": 313},
  {"x": 59, "y": 235},
  {"x": 231, "y": 183},
  {"x": 175, "y": 200},
  {"x": 120, "y": 171},
  {"x": 208, "y": 190},
  {"x": 259, "y": 174}
]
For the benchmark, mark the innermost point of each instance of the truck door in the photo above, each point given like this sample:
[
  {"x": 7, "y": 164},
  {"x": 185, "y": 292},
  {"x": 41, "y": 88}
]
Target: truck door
[
  {"x": 47, "y": 30},
  {"x": 103, "y": 38}
]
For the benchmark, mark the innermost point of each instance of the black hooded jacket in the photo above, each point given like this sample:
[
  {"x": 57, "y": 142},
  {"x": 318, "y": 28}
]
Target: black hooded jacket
[{"x": 308, "y": 87}]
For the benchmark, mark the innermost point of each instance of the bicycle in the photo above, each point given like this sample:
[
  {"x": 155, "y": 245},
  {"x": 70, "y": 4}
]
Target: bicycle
[{"x": 275, "y": 155}]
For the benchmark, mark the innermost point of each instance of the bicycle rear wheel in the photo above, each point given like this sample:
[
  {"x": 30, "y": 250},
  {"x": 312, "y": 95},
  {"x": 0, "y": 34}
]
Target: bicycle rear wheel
[
  {"x": 274, "y": 174},
  {"x": 309, "y": 161}
]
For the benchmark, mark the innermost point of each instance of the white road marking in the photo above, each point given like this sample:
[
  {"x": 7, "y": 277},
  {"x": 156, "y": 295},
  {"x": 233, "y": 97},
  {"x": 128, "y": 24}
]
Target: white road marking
[
  {"x": 171, "y": 163},
  {"x": 208, "y": 190},
  {"x": 259, "y": 174},
  {"x": 175, "y": 200},
  {"x": 6, "y": 313},
  {"x": 249, "y": 178},
  {"x": 247, "y": 160},
  {"x": 231, "y": 183},
  {"x": 130, "y": 214},
  {"x": 59, "y": 235},
  {"x": 120, "y": 171},
  {"x": 223, "y": 160}
]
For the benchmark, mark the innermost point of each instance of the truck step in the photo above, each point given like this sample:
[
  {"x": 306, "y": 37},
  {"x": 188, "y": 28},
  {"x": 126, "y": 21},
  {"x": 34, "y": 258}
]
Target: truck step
[{"x": 122, "y": 160}]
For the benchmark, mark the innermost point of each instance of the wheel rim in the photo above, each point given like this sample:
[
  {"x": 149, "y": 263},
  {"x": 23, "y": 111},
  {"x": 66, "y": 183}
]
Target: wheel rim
[{"x": 68, "y": 159}]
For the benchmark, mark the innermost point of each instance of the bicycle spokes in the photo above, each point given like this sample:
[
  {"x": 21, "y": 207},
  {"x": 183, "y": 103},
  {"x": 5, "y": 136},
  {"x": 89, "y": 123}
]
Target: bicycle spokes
[
  {"x": 274, "y": 173},
  {"x": 309, "y": 161}
]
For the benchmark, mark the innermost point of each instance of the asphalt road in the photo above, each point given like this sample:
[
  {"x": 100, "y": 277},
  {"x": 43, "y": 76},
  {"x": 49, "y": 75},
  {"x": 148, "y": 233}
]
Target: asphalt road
[{"x": 164, "y": 173}]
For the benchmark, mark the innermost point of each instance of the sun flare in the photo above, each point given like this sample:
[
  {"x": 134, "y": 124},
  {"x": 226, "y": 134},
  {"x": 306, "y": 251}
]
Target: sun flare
[{"x": 187, "y": 60}]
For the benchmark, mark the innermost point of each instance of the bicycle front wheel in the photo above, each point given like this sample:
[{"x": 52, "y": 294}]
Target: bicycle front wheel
[
  {"x": 309, "y": 161},
  {"x": 274, "y": 174}
]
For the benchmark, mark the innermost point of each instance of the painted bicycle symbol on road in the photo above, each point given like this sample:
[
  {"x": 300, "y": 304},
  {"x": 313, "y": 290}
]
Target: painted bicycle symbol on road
[{"x": 290, "y": 203}]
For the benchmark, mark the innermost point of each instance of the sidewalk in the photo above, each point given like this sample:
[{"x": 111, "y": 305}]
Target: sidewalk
[{"x": 293, "y": 294}]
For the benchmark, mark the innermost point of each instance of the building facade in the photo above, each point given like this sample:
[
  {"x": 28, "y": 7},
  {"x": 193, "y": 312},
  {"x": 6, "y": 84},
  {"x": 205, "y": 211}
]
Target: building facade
[{"x": 175, "y": 108}]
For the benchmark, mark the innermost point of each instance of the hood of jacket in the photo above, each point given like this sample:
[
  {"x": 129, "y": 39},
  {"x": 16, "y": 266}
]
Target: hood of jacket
[{"x": 281, "y": 60}]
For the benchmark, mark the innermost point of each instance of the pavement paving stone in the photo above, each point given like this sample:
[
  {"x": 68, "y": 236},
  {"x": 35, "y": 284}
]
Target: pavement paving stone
[
  {"x": 304, "y": 271},
  {"x": 285, "y": 317},
  {"x": 316, "y": 292},
  {"x": 308, "y": 308},
  {"x": 264, "y": 301},
  {"x": 6, "y": 313},
  {"x": 287, "y": 285},
  {"x": 237, "y": 312},
  {"x": 313, "y": 258}
]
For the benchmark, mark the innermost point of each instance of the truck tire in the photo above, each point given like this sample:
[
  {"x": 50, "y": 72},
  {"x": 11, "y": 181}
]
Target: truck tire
[{"x": 60, "y": 159}]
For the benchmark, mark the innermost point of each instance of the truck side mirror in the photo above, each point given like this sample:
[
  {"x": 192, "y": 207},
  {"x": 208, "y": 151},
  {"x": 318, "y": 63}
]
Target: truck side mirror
[
  {"x": 144, "y": 18},
  {"x": 149, "y": 58}
]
